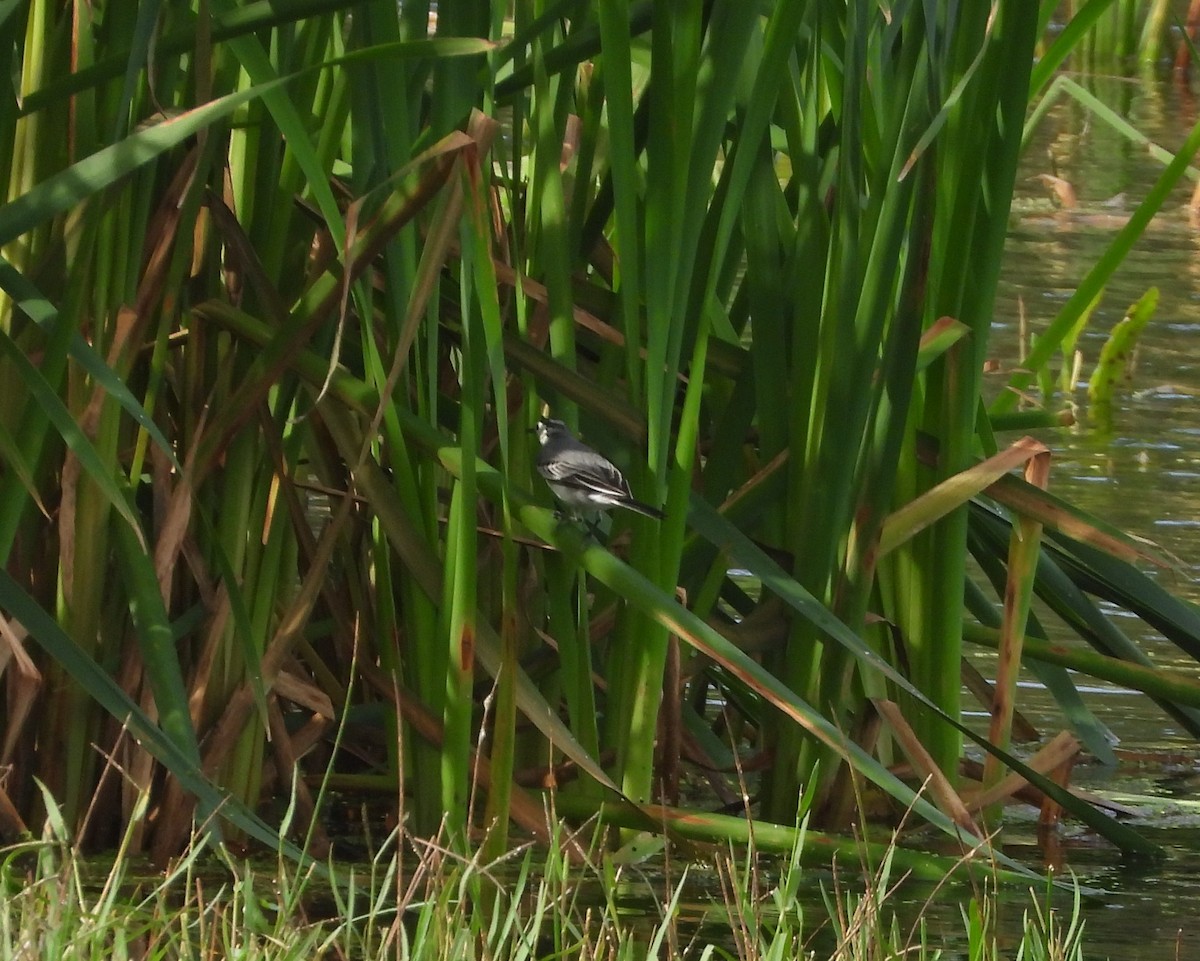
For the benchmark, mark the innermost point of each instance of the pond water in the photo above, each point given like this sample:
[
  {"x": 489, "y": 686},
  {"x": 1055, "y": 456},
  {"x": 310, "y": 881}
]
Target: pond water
[{"x": 1143, "y": 475}]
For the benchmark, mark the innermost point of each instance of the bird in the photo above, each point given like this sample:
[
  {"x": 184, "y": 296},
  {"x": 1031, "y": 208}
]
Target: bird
[{"x": 582, "y": 478}]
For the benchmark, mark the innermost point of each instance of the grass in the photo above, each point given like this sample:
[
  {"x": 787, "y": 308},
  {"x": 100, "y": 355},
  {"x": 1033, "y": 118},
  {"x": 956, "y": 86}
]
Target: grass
[{"x": 417, "y": 899}]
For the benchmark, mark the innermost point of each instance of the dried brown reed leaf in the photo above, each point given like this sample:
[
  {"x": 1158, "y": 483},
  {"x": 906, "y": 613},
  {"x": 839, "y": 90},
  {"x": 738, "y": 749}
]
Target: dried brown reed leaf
[
  {"x": 24, "y": 683},
  {"x": 940, "y": 789}
]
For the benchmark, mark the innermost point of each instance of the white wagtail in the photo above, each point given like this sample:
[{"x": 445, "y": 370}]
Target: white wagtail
[{"x": 580, "y": 477}]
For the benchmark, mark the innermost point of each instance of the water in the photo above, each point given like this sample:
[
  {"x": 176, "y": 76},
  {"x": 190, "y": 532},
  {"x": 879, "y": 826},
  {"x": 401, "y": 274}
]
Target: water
[{"x": 1143, "y": 476}]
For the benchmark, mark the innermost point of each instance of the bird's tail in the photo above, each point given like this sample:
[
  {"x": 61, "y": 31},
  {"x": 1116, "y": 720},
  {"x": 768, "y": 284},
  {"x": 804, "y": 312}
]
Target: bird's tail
[{"x": 646, "y": 509}]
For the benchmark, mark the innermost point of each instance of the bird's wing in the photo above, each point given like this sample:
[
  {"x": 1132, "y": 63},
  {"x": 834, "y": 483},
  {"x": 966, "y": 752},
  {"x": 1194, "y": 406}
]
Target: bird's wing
[{"x": 598, "y": 477}]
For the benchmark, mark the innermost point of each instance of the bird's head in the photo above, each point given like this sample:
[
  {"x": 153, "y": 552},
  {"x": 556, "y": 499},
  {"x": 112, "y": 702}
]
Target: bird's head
[{"x": 548, "y": 428}]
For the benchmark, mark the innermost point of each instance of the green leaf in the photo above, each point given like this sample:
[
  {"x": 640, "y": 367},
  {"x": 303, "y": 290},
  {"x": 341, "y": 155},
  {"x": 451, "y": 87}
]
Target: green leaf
[
  {"x": 71, "y": 434},
  {"x": 1118, "y": 349}
]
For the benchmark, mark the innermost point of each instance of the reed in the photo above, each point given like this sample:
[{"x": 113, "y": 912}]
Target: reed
[{"x": 285, "y": 284}]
